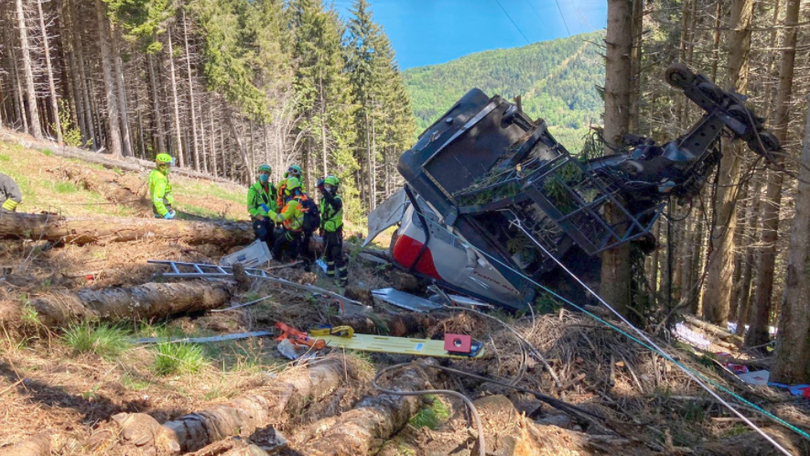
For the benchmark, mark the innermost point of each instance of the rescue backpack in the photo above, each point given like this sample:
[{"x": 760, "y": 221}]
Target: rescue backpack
[{"x": 312, "y": 216}]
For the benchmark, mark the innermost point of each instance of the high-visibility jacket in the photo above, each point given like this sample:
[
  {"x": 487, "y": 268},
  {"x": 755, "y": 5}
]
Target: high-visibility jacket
[
  {"x": 257, "y": 195},
  {"x": 291, "y": 215},
  {"x": 331, "y": 209},
  {"x": 160, "y": 192},
  {"x": 10, "y": 194},
  {"x": 282, "y": 185}
]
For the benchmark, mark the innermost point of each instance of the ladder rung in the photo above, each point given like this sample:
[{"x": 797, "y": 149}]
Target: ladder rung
[
  {"x": 199, "y": 269},
  {"x": 174, "y": 266}
]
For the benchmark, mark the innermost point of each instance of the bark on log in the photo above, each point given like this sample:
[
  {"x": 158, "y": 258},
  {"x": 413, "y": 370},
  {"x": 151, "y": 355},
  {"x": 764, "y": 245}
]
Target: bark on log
[
  {"x": 285, "y": 397},
  {"x": 362, "y": 430},
  {"x": 714, "y": 330},
  {"x": 36, "y": 445},
  {"x": 151, "y": 300},
  {"x": 85, "y": 230}
]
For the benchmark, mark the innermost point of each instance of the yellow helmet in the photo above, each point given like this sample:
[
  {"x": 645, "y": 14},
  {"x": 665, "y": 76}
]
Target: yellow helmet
[
  {"x": 163, "y": 159},
  {"x": 292, "y": 184}
]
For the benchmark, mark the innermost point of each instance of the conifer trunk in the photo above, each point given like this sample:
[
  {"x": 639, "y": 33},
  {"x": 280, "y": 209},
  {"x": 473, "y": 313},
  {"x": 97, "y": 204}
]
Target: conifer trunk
[
  {"x": 116, "y": 146},
  {"x": 615, "y": 285},
  {"x": 760, "y": 315},
  {"x": 123, "y": 108},
  {"x": 192, "y": 108},
  {"x": 792, "y": 359},
  {"x": 719, "y": 283},
  {"x": 49, "y": 68},
  {"x": 33, "y": 110},
  {"x": 177, "y": 128}
]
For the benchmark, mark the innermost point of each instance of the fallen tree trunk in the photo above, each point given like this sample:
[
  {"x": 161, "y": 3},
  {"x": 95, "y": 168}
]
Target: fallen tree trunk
[
  {"x": 36, "y": 445},
  {"x": 362, "y": 430},
  {"x": 286, "y": 396},
  {"x": 113, "y": 190},
  {"x": 85, "y": 230},
  {"x": 148, "y": 301},
  {"x": 714, "y": 330}
]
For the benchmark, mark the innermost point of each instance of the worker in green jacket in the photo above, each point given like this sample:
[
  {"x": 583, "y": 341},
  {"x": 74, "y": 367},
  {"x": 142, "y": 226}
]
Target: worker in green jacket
[
  {"x": 10, "y": 194},
  {"x": 331, "y": 212},
  {"x": 291, "y": 219},
  {"x": 160, "y": 191},
  {"x": 261, "y": 199},
  {"x": 292, "y": 171}
]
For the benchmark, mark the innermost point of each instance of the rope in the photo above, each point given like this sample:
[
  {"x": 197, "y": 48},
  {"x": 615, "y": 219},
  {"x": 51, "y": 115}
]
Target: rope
[
  {"x": 482, "y": 447},
  {"x": 650, "y": 346}
]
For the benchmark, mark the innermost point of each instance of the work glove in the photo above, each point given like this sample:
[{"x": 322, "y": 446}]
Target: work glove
[
  {"x": 169, "y": 216},
  {"x": 174, "y": 214}
]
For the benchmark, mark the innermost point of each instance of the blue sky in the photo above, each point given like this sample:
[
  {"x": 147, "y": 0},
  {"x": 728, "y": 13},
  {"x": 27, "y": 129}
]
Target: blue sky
[{"x": 427, "y": 32}]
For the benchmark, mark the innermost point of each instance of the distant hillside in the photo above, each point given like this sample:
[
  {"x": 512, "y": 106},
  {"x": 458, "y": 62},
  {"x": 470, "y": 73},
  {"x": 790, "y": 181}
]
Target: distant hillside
[{"x": 557, "y": 80}]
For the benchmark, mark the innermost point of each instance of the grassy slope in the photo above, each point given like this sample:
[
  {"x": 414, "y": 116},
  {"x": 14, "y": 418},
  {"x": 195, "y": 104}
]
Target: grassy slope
[{"x": 43, "y": 190}]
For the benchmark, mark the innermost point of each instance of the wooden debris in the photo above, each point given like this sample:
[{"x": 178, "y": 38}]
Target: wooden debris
[
  {"x": 287, "y": 395},
  {"x": 714, "y": 330},
  {"x": 86, "y": 230},
  {"x": 151, "y": 300},
  {"x": 362, "y": 430}
]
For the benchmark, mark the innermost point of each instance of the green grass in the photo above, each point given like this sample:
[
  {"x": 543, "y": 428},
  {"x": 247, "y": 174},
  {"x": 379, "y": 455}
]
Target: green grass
[
  {"x": 47, "y": 152},
  {"x": 104, "y": 340},
  {"x": 432, "y": 416},
  {"x": 134, "y": 384},
  {"x": 178, "y": 358},
  {"x": 5, "y": 158},
  {"x": 29, "y": 315},
  {"x": 65, "y": 187}
]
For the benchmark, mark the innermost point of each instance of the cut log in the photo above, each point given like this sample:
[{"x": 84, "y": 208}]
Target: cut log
[
  {"x": 362, "y": 430},
  {"x": 148, "y": 301},
  {"x": 285, "y": 397},
  {"x": 85, "y": 230},
  {"x": 36, "y": 445},
  {"x": 714, "y": 330}
]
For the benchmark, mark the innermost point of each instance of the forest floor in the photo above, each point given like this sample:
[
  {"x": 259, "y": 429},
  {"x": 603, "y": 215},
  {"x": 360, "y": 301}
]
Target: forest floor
[{"x": 70, "y": 382}]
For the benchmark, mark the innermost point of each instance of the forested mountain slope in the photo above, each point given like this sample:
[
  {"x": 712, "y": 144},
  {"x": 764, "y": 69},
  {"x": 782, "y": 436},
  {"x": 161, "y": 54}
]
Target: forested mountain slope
[{"x": 557, "y": 80}]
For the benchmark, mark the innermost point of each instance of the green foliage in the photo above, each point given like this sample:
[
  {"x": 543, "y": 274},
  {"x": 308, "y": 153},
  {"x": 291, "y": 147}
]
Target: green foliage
[
  {"x": 71, "y": 135},
  {"x": 431, "y": 416},
  {"x": 182, "y": 358},
  {"x": 47, "y": 152},
  {"x": 103, "y": 340},
  {"x": 4, "y": 158},
  {"x": 28, "y": 315},
  {"x": 557, "y": 81}
]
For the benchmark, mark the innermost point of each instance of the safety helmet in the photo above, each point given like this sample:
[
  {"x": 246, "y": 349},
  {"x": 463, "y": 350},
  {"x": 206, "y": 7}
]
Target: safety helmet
[
  {"x": 331, "y": 180},
  {"x": 163, "y": 159},
  {"x": 292, "y": 184},
  {"x": 265, "y": 169},
  {"x": 294, "y": 170}
]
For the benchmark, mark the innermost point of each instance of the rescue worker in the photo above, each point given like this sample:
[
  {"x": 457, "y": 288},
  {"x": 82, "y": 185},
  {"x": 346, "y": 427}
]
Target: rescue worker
[
  {"x": 261, "y": 199},
  {"x": 291, "y": 218},
  {"x": 160, "y": 191},
  {"x": 292, "y": 171},
  {"x": 331, "y": 209},
  {"x": 10, "y": 194}
]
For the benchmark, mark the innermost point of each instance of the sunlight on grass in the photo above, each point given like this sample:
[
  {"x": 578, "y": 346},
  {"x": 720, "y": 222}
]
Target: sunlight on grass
[
  {"x": 178, "y": 358},
  {"x": 65, "y": 187},
  {"x": 106, "y": 341}
]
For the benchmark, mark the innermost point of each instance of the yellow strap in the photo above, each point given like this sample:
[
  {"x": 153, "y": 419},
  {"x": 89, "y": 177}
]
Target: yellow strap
[
  {"x": 399, "y": 345},
  {"x": 340, "y": 331},
  {"x": 10, "y": 205}
]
